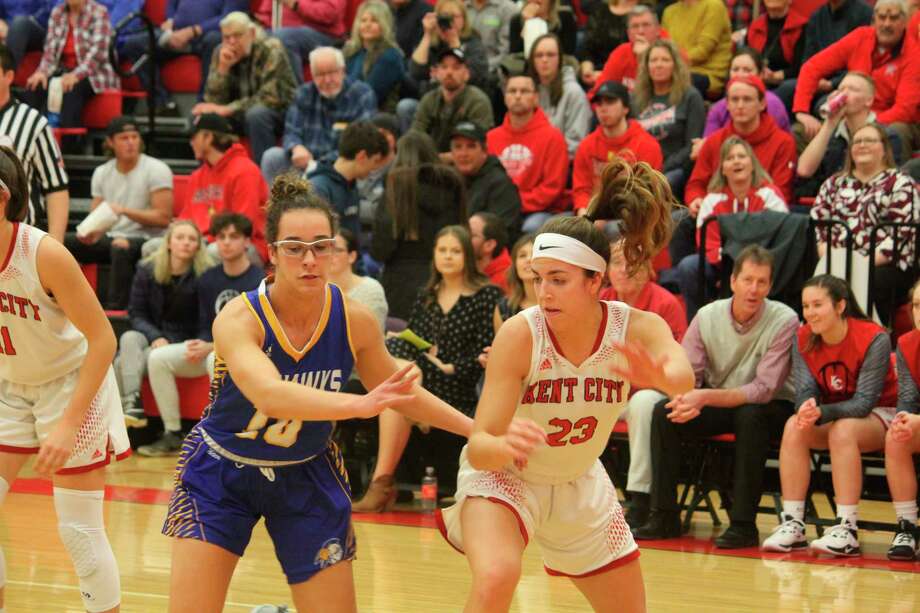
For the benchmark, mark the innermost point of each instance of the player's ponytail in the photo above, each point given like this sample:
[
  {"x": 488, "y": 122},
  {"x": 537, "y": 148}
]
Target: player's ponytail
[
  {"x": 640, "y": 198},
  {"x": 290, "y": 193},
  {"x": 14, "y": 177}
]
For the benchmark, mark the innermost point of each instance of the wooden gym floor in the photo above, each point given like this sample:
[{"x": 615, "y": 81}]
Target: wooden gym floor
[{"x": 404, "y": 566}]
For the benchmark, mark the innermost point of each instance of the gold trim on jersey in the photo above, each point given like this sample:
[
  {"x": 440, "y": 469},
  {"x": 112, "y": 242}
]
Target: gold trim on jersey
[
  {"x": 351, "y": 344},
  {"x": 272, "y": 319},
  {"x": 229, "y": 455}
]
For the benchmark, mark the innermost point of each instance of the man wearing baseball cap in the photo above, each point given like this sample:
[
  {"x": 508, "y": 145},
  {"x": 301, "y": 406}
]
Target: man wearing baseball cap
[
  {"x": 139, "y": 191},
  {"x": 774, "y": 148},
  {"x": 488, "y": 186},
  {"x": 615, "y": 136},
  {"x": 452, "y": 102},
  {"x": 227, "y": 181}
]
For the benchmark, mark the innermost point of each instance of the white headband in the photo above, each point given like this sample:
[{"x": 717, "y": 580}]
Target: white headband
[{"x": 567, "y": 249}]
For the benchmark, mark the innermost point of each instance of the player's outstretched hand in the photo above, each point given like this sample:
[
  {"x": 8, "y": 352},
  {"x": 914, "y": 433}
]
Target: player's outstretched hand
[
  {"x": 522, "y": 437},
  {"x": 56, "y": 449},
  {"x": 641, "y": 369},
  {"x": 394, "y": 392}
]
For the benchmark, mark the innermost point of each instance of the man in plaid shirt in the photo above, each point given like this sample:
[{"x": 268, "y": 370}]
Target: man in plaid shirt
[
  {"x": 322, "y": 109},
  {"x": 250, "y": 80}
]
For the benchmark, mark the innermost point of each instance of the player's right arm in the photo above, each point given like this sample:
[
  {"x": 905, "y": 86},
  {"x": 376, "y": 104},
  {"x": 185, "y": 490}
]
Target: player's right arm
[
  {"x": 499, "y": 439},
  {"x": 238, "y": 338}
]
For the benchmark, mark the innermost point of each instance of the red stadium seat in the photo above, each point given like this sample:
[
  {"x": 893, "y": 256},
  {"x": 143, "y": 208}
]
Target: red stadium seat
[
  {"x": 91, "y": 272},
  {"x": 155, "y": 11},
  {"x": 26, "y": 67},
  {"x": 193, "y": 397},
  {"x": 101, "y": 109},
  {"x": 180, "y": 193},
  {"x": 182, "y": 74}
]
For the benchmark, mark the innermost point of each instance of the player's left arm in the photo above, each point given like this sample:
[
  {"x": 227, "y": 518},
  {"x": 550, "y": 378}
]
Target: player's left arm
[
  {"x": 374, "y": 365},
  {"x": 656, "y": 360},
  {"x": 61, "y": 277}
]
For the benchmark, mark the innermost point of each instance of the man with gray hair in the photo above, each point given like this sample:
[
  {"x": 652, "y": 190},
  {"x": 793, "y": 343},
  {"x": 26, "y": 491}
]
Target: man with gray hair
[
  {"x": 881, "y": 51},
  {"x": 250, "y": 80},
  {"x": 321, "y": 111}
]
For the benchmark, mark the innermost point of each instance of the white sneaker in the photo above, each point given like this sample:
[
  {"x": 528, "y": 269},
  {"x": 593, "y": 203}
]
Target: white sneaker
[
  {"x": 839, "y": 540},
  {"x": 786, "y": 537}
]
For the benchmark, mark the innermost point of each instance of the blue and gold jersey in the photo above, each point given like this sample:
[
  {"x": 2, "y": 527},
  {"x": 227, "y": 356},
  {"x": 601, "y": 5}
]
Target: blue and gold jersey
[{"x": 233, "y": 425}]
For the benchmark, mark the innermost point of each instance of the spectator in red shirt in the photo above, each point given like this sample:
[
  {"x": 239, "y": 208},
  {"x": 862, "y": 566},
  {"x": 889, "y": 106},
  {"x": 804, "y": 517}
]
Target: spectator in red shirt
[
  {"x": 490, "y": 246},
  {"x": 779, "y": 35},
  {"x": 533, "y": 152},
  {"x": 227, "y": 181},
  {"x": 775, "y": 148},
  {"x": 643, "y": 29},
  {"x": 640, "y": 292},
  {"x": 616, "y": 136},
  {"x": 881, "y": 50}
]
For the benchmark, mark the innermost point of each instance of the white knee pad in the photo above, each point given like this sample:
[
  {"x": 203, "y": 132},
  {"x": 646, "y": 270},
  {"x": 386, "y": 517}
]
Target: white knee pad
[{"x": 83, "y": 533}]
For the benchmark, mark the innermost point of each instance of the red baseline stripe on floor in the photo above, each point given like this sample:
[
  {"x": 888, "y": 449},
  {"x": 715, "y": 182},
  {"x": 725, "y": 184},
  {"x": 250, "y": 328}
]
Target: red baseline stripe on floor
[{"x": 414, "y": 519}]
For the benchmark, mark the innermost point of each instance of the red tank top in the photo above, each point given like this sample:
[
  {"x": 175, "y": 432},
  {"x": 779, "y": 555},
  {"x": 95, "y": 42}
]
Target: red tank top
[
  {"x": 69, "y": 53},
  {"x": 836, "y": 367},
  {"x": 909, "y": 344}
]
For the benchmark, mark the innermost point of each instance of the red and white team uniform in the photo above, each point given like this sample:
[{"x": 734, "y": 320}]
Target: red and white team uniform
[
  {"x": 40, "y": 356},
  {"x": 563, "y": 498}
]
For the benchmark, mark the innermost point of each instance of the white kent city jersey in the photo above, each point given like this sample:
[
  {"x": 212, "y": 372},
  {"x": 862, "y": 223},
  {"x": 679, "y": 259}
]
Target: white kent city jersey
[
  {"x": 577, "y": 407},
  {"x": 37, "y": 342}
]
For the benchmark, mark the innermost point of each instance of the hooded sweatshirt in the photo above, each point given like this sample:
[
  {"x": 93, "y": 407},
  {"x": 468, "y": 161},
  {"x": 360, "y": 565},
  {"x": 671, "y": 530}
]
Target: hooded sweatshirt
[
  {"x": 341, "y": 194},
  {"x": 634, "y": 145},
  {"x": 775, "y": 150},
  {"x": 571, "y": 113},
  {"x": 725, "y": 202},
  {"x": 535, "y": 158},
  {"x": 491, "y": 190},
  {"x": 233, "y": 185}
]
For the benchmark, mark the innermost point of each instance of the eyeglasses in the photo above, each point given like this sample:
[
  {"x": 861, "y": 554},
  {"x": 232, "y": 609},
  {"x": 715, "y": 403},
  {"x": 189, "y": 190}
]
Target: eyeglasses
[
  {"x": 866, "y": 141},
  {"x": 327, "y": 74},
  {"x": 322, "y": 248}
]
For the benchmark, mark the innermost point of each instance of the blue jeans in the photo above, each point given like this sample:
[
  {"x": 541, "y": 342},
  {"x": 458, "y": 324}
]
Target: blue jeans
[
  {"x": 275, "y": 161},
  {"x": 263, "y": 127},
  {"x": 299, "y": 42},
  {"x": 405, "y": 112},
  {"x": 677, "y": 179},
  {"x": 688, "y": 271},
  {"x": 534, "y": 221},
  {"x": 25, "y": 34},
  {"x": 136, "y": 45}
]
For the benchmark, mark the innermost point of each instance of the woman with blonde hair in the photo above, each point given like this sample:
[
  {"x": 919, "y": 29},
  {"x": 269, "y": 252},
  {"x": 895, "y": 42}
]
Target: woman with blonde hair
[
  {"x": 163, "y": 312},
  {"x": 448, "y": 27},
  {"x": 669, "y": 108},
  {"x": 372, "y": 55},
  {"x": 741, "y": 184}
]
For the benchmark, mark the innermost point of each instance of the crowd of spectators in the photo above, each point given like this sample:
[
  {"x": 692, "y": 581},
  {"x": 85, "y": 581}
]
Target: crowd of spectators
[{"x": 444, "y": 134}]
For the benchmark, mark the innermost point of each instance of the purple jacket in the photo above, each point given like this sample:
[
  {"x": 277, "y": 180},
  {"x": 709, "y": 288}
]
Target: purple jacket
[{"x": 718, "y": 115}]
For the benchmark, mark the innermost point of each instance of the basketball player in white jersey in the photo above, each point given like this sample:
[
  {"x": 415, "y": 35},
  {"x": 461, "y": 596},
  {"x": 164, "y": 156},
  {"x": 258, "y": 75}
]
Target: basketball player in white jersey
[
  {"x": 58, "y": 396},
  {"x": 531, "y": 469}
]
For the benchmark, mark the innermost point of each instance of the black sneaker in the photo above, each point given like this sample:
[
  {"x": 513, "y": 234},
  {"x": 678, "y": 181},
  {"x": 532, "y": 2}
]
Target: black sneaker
[
  {"x": 168, "y": 444},
  {"x": 738, "y": 537},
  {"x": 660, "y": 525},
  {"x": 133, "y": 411},
  {"x": 638, "y": 509},
  {"x": 904, "y": 545}
]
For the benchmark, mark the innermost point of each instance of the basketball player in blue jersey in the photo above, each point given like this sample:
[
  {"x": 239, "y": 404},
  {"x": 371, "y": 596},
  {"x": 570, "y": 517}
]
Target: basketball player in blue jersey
[
  {"x": 264, "y": 448},
  {"x": 531, "y": 469}
]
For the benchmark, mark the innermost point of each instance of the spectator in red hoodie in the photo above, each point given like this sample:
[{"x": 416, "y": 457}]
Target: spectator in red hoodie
[
  {"x": 490, "y": 246},
  {"x": 533, "y": 152},
  {"x": 643, "y": 29},
  {"x": 303, "y": 25},
  {"x": 615, "y": 136},
  {"x": 881, "y": 50},
  {"x": 227, "y": 181},
  {"x": 779, "y": 35},
  {"x": 740, "y": 185},
  {"x": 775, "y": 149}
]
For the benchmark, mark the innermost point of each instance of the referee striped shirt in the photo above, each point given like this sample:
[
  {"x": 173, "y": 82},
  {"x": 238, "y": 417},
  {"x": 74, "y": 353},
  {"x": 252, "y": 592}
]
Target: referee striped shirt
[{"x": 36, "y": 147}]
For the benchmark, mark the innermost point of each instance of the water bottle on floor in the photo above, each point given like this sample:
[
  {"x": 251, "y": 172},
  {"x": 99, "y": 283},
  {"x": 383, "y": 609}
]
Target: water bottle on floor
[{"x": 429, "y": 490}]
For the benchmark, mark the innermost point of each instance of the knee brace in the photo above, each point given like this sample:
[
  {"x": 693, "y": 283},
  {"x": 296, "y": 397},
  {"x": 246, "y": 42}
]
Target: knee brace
[{"x": 83, "y": 534}]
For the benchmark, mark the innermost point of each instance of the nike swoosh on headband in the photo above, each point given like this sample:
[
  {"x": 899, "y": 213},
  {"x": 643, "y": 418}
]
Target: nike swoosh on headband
[{"x": 545, "y": 247}]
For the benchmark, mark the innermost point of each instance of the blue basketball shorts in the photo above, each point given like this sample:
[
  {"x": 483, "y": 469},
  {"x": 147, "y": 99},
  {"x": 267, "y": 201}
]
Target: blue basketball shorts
[{"x": 307, "y": 507}]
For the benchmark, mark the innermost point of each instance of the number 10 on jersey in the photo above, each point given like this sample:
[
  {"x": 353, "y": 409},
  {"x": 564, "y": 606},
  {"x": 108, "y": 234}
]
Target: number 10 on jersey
[{"x": 282, "y": 433}]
